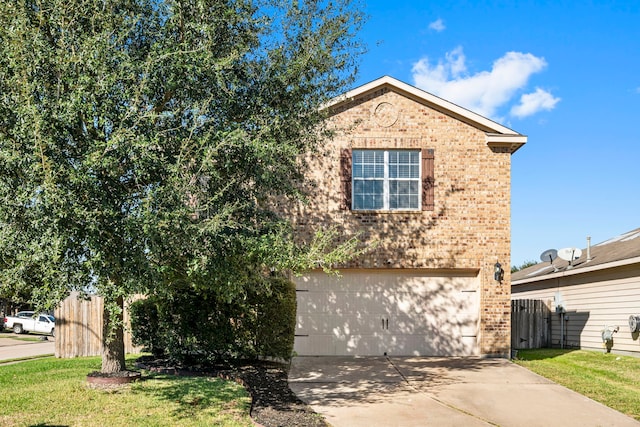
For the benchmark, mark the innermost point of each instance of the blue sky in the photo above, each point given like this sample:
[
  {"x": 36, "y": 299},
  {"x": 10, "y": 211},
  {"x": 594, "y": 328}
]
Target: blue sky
[{"x": 564, "y": 73}]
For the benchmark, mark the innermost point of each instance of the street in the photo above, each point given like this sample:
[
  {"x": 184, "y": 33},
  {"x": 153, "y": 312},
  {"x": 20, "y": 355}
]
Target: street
[{"x": 11, "y": 348}]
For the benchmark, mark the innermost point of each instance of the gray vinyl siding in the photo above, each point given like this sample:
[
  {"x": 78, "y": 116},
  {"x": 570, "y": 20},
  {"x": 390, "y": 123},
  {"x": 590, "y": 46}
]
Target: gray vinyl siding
[{"x": 592, "y": 301}]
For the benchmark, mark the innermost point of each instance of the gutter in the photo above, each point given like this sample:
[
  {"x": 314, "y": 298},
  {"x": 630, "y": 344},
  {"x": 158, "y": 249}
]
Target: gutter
[{"x": 581, "y": 270}]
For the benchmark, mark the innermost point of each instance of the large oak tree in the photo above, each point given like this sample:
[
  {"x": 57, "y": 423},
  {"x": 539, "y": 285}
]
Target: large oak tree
[{"x": 140, "y": 141}]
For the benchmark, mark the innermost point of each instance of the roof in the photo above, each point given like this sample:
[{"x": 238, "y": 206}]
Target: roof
[
  {"x": 497, "y": 135},
  {"x": 617, "y": 251}
]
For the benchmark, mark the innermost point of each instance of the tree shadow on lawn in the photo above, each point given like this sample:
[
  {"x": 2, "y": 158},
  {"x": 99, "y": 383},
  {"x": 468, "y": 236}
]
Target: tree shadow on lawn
[
  {"x": 543, "y": 353},
  {"x": 194, "y": 393}
]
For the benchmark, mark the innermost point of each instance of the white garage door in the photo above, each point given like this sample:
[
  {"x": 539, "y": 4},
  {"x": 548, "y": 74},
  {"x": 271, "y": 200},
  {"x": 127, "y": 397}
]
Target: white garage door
[{"x": 398, "y": 313}]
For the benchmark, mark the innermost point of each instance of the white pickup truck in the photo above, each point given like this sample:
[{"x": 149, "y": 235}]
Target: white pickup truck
[{"x": 28, "y": 321}]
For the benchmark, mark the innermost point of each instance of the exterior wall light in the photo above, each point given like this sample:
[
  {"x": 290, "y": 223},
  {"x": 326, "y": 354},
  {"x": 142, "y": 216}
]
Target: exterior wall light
[{"x": 498, "y": 272}]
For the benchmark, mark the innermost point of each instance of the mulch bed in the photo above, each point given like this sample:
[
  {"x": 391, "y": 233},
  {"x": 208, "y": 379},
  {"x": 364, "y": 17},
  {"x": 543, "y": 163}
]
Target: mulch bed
[{"x": 273, "y": 403}]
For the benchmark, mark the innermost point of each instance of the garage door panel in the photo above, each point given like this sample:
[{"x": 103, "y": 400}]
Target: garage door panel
[
  {"x": 420, "y": 284},
  {"x": 401, "y": 313},
  {"x": 427, "y": 326},
  {"x": 342, "y": 302},
  {"x": 340, "y": 326},
  {"x": 366, "y": 345}
]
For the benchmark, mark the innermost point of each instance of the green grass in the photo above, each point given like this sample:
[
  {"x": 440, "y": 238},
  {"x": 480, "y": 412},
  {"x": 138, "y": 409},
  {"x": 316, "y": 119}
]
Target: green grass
[
  {"x": 610, "y": 379},
  {"x": 55, "y": 392}
]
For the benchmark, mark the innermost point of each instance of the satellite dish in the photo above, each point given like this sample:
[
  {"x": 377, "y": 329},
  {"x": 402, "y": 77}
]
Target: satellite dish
[
  {"x": 569, "y": 254},
  {"x": 549, "y": 255}
]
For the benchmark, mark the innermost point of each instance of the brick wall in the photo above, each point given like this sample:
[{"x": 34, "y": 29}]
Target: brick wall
[{"x": 469, "y": 227}]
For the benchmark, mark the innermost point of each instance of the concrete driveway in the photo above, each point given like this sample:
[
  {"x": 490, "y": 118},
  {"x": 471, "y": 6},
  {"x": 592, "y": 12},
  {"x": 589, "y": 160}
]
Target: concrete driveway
[{"x": 419, "y": 391}]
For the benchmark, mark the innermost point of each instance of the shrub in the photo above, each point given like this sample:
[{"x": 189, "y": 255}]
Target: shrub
[
  {"x": 276, "y": 320},
  {"x": 190, "y": 327},
  {"x": 144, "y": 324}
]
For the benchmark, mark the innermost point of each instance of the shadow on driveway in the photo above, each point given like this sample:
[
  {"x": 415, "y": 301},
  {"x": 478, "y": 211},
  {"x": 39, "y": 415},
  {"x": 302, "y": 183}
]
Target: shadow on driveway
[{"x": 435, "y": 391}]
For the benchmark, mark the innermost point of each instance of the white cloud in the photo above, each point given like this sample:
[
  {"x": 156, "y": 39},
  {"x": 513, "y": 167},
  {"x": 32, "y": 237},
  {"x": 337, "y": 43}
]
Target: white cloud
[
  {"x": 483, "y": 92},
  {"x": 531, "y": 103},
  {"x": 437, "y": 25}
]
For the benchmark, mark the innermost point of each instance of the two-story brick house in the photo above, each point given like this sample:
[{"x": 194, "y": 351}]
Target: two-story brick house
[{"x": 427, "y": 184}]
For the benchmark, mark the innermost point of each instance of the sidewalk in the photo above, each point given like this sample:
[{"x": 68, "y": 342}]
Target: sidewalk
[{"x": 16, "y": 349}]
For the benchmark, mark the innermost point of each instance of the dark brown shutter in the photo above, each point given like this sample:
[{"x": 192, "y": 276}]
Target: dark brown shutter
[
  {"x": 345, "y": 179},
  {"x": 428, "y": 180}
]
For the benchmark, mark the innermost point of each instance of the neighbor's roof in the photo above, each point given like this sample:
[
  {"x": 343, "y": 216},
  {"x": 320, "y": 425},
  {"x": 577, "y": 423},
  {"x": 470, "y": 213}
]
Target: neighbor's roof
[
  {"x": 617, "y": 251},
  {"x": 497, "y": 135}
]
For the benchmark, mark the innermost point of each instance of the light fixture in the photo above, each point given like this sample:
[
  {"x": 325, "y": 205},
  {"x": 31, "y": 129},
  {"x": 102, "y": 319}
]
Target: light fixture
[{"x": 498, "y": 272}]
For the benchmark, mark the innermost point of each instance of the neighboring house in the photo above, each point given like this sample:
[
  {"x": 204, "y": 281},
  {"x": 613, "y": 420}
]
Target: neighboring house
[
  {"x": 428, "y": 181},
  {"x": 598, "y": 291}
]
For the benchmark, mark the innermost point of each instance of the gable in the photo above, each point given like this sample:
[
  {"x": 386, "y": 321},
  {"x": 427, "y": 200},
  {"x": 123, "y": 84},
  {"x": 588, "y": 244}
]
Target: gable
[{"x": 385, "y": 114}]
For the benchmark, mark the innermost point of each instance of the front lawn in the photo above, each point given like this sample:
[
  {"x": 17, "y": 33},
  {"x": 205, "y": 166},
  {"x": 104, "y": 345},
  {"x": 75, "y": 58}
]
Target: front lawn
[
  {"x": 54, "y": 392},
  {"x": 604, "y": 377}
]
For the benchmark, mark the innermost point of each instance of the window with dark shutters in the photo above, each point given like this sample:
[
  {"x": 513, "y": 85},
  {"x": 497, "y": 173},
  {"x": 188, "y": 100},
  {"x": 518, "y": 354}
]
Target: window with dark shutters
[
  {"x": 345, "y": 179},
  {"x": 428, "y": 180}
]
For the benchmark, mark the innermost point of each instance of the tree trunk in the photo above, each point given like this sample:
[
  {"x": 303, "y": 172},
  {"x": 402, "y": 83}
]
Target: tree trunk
[{"x": 113, "y": 341}]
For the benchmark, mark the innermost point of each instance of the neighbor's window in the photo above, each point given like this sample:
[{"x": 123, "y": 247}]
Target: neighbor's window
[{"x": 386, "y": 179}]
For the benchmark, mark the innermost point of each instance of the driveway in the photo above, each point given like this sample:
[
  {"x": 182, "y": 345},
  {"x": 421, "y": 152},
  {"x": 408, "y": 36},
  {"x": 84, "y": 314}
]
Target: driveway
[{"x": 419, "y": 391}]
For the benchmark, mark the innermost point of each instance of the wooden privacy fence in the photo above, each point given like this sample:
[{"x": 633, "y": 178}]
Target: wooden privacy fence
[
  {"x": 79, "y": 328},
  {"x": 530, "y": 324}
]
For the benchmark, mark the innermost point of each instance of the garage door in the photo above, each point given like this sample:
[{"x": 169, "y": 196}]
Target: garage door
[{"x": 400, "y": 313}]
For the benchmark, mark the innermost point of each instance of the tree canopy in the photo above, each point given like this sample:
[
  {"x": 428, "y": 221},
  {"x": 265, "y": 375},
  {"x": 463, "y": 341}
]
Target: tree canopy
[{"x": 141, "y": 141}]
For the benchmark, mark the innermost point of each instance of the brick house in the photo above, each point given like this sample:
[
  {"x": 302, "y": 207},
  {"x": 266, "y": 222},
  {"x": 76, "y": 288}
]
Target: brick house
[{"x": 428, "y": 181}]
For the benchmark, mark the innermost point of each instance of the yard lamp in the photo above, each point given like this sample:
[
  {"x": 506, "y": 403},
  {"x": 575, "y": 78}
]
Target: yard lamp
[{"x": 498, "y": 272}]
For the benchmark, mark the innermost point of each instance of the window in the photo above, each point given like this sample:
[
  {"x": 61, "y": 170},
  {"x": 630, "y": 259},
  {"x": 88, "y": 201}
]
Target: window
[
  {"x": 387, "y": 179},
  {"x": 384, "y": 179}
]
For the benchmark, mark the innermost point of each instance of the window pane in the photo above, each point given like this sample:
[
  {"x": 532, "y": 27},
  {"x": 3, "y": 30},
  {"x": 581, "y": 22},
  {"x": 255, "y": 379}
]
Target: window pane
[
  {"x": 393, "y": 202},
  {"x": 404, "y": 157},
  {"x": 357, "y": 156},
  {"x": 414, "y": 202},
  {"x": 368, "y": 171},
  {"x": 368, "y": 187},
  {"x": 372, "y": 202},
  {"x": 372, "y": 156}
]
